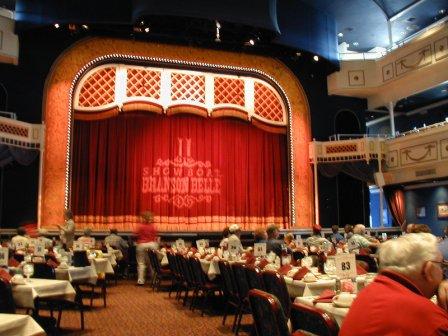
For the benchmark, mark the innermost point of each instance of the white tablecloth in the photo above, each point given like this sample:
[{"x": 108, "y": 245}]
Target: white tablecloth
[
  {"x": 102, "y": 265},
  {"x": 111, "y": 257},
  {"x": 338, "y": 313},
  {"x": 77, "y": 274},
  {"x": 24, "y": 295},
  {"x": 302, "y": 288},
  {"x": 19, "y": 325}
]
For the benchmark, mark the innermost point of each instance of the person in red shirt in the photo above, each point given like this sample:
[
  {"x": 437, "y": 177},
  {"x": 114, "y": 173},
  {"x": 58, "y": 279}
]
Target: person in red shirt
[
  {"x": 146, "y": 239},
  {"x": 398, "y": 301}
]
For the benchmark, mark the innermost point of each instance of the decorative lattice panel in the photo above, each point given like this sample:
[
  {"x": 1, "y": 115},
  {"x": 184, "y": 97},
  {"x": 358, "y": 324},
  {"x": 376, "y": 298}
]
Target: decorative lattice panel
[
  {"x": 229, "y": 91},
  {"x": 14, "y": 129},
  {"x": 143, "y": 83},
  {"x": 188, "y": 87},
  {"x": 341, "y": 148},
  {"x": 98, "y": 89},
  {"x": 267, "y": 104}
]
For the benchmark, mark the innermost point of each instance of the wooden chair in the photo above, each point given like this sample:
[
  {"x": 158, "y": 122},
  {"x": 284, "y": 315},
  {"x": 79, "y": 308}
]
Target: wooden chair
[
  {"x": 313, "y": 320},
  {"x": 276, "y": 285},
  {"x": 368, "y": 261},
  {"x": 269, "y": 318}
]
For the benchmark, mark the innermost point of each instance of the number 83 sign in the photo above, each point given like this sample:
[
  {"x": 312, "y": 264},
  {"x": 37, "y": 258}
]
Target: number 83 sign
[{"x": 345, "y": 266}]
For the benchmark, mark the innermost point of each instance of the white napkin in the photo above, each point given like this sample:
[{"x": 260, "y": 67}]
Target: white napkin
[{"x": 18, "y": 279}]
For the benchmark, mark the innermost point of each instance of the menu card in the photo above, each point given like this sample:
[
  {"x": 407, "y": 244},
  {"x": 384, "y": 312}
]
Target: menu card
[
  {"x": 180, "y": 244},
  {"x": 234, "y": 247}
]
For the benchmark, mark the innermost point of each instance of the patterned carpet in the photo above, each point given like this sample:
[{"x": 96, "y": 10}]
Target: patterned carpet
[{"x": 133, "y": 310}]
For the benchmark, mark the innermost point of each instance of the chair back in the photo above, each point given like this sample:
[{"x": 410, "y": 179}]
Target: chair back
[
  {"x": 239, "y": 272},
  {"x": 197, "y": 272},
  {"x": 228, "y": 281},
  {"x": 172, "y": 264},
  {"x": 275, "y": 284},
  {"x": 255, "y": 278},
  {"x": 43, "y": 271},
  {"x": 7, "y": 304},
  {"x": 186, "y": 270},
  {"x": 268, "y": 315},
  {"x": 154, "y": 261},
  {"x": 369, "y": 261},
  {"x": 19, "y": 257},
  {"x": 313, "y": 320},
  {"x": 80, "y": 259}
]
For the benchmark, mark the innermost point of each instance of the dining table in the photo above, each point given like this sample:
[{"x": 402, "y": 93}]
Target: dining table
[
  {"x": 19, "y": 325},
  {"x": 338, "y": 313},
  {"x": 25, "y": 294}
]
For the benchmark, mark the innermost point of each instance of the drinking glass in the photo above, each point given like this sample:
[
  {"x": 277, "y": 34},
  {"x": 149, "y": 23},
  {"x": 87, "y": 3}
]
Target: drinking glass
[{"x": 28, "y": 270}]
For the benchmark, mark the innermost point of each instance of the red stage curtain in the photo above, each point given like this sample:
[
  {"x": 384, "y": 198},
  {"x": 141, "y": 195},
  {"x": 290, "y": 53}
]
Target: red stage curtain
[
  {"x": 194, "y": 173},
  {"x": 395, "y": 200}
]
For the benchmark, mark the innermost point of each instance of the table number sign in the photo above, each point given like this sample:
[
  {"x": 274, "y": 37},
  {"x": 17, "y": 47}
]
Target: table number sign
[
  {"x": 299, "y": 240},
  {"x": 20, "y": 245},
  {"x": 4, "y": 251},
  {"x": 234, "y": 247},
  {"x": 201, "y": 244},
  {"x": 78, "y": 246},
  {"x": 345, "y": 265},
  {"x": 259, "y": 249},
  {"x": 384, "y": 236},
  {"x": 180, "y": 244},
  {"x": 39, "y": 249},
  {"x": 353, "y": 246}
]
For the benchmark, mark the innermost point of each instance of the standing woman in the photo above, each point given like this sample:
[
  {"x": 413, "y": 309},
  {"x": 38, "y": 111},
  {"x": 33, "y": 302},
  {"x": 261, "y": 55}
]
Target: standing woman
[
  {"x": 146, "y": 239},
  {"x": 67, "y": 232}
]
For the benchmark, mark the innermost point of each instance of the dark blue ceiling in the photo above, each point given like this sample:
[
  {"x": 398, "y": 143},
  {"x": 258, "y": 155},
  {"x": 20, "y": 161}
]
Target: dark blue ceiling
[{"x": 365, "y": 21}]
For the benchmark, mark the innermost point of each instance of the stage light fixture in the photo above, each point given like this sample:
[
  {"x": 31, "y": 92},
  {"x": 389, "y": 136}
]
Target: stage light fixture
[
  {"x": 147, "y": 30},
  {"x": 84, "y": 26},
  {"x": 316, "y": 58},
  {"x": 340, "y": 34},
  {"x": 218, "y": 35},
  {"x": 56, "y": 25}
]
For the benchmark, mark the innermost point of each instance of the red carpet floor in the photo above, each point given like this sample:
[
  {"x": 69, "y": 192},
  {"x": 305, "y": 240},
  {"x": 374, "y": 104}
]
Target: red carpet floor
[{"x": 137, "y": 311}]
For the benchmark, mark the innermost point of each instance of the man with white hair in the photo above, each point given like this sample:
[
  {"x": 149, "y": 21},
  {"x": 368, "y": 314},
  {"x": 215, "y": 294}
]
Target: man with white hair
[
  {"x": 358, "y": 240},
  {"x": 398, "y": 301}
]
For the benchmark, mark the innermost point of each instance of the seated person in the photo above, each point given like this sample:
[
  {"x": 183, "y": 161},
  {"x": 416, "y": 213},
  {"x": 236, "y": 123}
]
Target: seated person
[
  {"x": 86, "y": 239},
  {"x": 41, "y": 237},
  {"x": 290, "y": 242},
  {"x": 358, "y": 240},
  {"x": 115, "y": 241},
  {"x": 225, "y": 238},
  {"x": 273, "y": 243},
  {"x": 348, "y": 231},
  {"x": 336, "y": 237},
  {"x": 234, "y": 238},
  {"x": 260, "y": 235},
  {"x": 398, "y": 300},
  {"x": 20, "y": 241},
  {"x": 316, "y": 240}
]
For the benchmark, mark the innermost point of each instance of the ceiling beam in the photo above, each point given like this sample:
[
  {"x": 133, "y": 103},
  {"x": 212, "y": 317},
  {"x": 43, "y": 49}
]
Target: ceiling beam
[{"x": 406, "y": 10}]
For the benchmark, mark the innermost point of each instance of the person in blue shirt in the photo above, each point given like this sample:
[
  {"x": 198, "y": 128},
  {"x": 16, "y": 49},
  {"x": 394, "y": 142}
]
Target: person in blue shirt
[{"x": 336, "y": 237}]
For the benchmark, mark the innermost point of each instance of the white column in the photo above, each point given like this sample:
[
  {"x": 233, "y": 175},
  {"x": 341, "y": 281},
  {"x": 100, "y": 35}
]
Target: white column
[{"x": 391, "y": 118}]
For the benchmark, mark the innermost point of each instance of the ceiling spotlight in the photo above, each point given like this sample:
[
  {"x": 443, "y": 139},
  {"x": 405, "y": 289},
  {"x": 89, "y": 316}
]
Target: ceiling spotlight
[
  {"x": 340, "y": 34},
  {"x": 147, "y": 30},
  {"x": 403, "y": 33},
  {"x": 316, "y": 58},
  {"x": 84, "y": 26},
  {"x": 298, "y": 54},
  {"x": 142, "y": 23},
  {"x": 442, "y": 11},
  {"x": 444, "y": 90},
  {"x": 355, "y": 44},
  {"x": 251, "y": 42},
  {"x": 56, "y": 25}
]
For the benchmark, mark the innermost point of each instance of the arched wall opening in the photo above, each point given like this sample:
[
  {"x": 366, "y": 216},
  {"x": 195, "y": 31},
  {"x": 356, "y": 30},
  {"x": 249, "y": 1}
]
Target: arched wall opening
[{"x": 59, "y": 109}]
